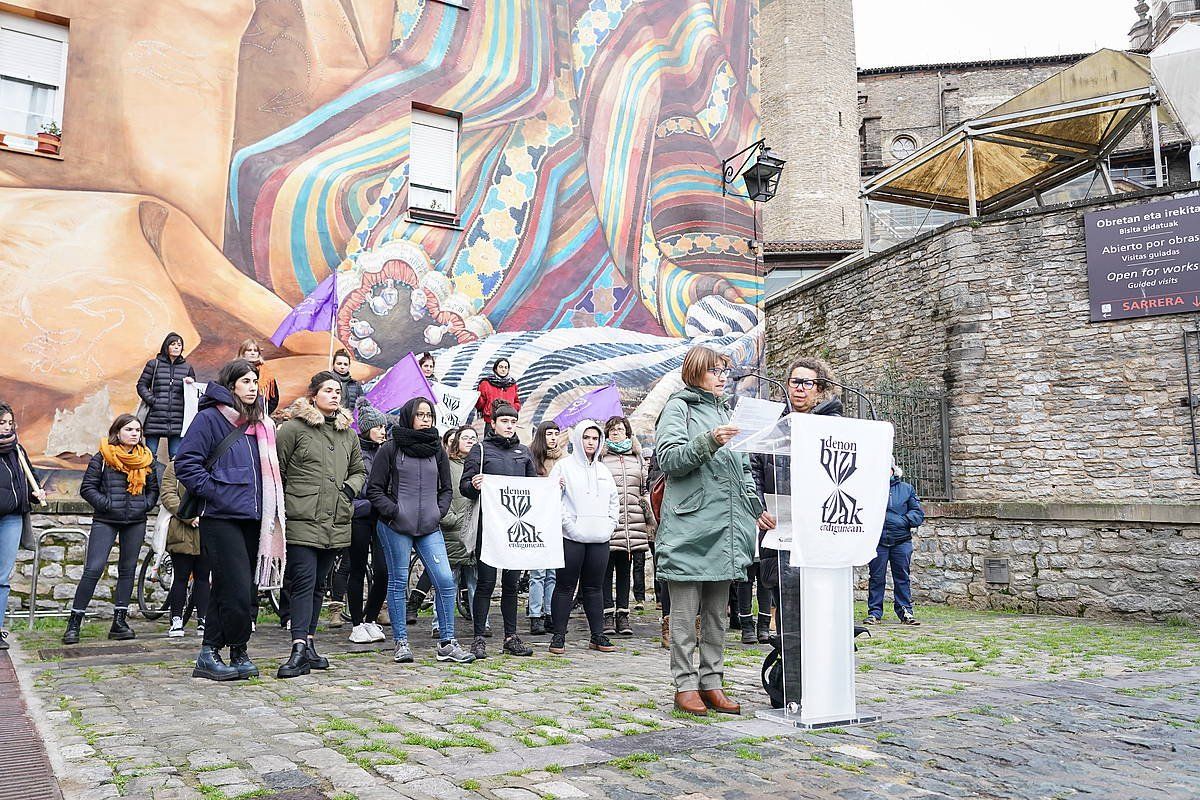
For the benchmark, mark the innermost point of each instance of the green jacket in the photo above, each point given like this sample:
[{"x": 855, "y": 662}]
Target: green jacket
[
  {"x": 454, "y": 524},
  {"x": 710, "y": 507},
  {"x": 181, "y": 537},
  {"x": 322, "y": 467}
]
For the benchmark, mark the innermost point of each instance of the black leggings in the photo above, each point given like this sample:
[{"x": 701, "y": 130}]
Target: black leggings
[
  {"x": 584, "y": 565},
  {"x": 309, "y": 567},
  {"x": 745, "y": 593},
  {"x": 619, "y": 566},
  {"x": 184, "y": 566},
  {"x": 639, "y": 576},
  {"x": 100, "y": 544},
  {"x": 661, "y": 592},
  {"x": 363, "y": 544},
  {"x": 231, "y": 547},
  {"x": 482, "y": 604}
]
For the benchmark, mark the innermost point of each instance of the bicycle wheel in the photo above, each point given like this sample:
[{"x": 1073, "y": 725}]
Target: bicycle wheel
[
  {"x": 153, "y": 593},
  {"x": 416, "y": 568}
]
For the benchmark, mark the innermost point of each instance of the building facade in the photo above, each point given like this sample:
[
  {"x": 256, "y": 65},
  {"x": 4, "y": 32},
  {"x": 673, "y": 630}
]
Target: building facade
[{"x": 1159, "y": 19}]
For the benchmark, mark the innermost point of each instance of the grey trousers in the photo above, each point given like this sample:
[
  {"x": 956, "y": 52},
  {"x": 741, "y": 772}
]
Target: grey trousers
[{"x": 709, "y": 600}]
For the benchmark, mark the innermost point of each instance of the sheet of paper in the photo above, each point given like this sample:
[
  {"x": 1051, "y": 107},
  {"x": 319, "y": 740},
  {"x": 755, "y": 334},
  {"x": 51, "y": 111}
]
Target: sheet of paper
[{"x": 751, "y": 415}]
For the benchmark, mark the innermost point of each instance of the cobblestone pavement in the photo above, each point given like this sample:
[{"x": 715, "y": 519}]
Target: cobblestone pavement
[{"x": 979, "y": 705}]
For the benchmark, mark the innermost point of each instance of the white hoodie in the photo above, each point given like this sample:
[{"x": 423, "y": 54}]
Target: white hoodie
[{"x": 590, "y": 508}]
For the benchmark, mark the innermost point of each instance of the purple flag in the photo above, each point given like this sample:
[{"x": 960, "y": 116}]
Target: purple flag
[
  {"x": 598, "y": 404},
  {"x": 314, "y": 313},
  {"x": 398, "y": 385}
]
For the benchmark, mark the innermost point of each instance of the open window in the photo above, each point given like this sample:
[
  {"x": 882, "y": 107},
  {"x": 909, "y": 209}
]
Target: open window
[
  {"x": 433, "y": 167},
  {"x": 33, "y": 74}
]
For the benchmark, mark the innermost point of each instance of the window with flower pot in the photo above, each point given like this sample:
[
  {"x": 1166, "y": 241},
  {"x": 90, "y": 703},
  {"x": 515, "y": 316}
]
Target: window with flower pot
[
  {"x": 33, "y": 73},
  {"x": 433, "y": 167}
]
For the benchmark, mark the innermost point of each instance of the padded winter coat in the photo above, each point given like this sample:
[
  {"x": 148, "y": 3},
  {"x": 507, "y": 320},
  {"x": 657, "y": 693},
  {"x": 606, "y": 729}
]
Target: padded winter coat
[
  {"x": 410, "y": 494},
  {"x": 489, "y": 393},
  {"x": 904, "y": 513},
  {"x": 710, "y": 505},
  {"x": 459, "y": 550},
  {"x": 351, "y": 390},
  {"x": 161, "y": 387},
  {"x": 634, "y": 523},
  {"x": 106, "y": 490},
  {"x": 322, "y": 468},
  {"x": 232, "y": 489},
  {"x": 181, "y": 537},
  {"x": 16, "y": 495}
]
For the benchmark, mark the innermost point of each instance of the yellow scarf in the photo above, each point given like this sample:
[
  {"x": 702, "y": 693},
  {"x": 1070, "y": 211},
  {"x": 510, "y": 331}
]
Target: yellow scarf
[{"x": 135, "y": 465}]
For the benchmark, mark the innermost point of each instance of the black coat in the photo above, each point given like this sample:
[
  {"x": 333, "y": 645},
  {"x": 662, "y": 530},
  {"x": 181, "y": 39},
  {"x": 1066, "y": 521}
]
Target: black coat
[
  {"x": 161, "y": 387},
  {"x": 410, "y": 495},
  {"x": 499, "y": 458},
  {"x": 105, "y": 490},
  {"x": 16, "y": 495}
]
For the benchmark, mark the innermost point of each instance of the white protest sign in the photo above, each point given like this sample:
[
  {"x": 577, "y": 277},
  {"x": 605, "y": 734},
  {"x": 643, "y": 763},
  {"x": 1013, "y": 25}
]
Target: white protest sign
[
  {"x": 840, "y": 470},
  {"x": 521, "y": 522},
  {"x": 453, "y": 405}
]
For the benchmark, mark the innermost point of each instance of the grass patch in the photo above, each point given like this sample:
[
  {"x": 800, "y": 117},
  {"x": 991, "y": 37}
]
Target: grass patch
[
  {"x": 215, "y": 767},
  {"x": 833, "y": 762},
  {"x": 554, "y": 769},
  {"x": 440, "y": 743},
  {"x": 632, "y": 763},
  {"x": 470, "y": 784},
  {"x": 748, "y": 754}
]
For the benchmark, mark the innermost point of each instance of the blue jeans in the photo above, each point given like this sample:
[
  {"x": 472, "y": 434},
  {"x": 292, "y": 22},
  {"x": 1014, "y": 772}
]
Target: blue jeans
[
  {"x": 172, "y": 445},
  {"x": 541, "y": 589},
  {"x": 10, "y": 541},
  {"x": 431, "y": 549},
  {"x": 899, "y": 556}
]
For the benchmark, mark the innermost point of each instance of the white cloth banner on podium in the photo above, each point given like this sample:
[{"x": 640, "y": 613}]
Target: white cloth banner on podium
[
  {"x": 840, "y": 471},
  {"x": 521, "y": 522},
  {"x": 453, "y": 406}
]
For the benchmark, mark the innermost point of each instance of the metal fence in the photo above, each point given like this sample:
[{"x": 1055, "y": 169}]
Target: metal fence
[{"x": 922, "y": 443}]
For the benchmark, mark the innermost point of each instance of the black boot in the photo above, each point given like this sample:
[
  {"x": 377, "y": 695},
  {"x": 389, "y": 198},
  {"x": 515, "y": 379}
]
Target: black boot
[
  {"x": 416, "y": 599},
  {"x": 210, "y": 665},
  {"x": 297, "y": 663},
  {"x": 315, "y": 659},
  {"x": 537, "y": 626},
  {"x": 764, "y": 628},
  {"x": 610, "y": 622},
  {"x": 240, "y": 660},
  {"x": 71, "y": 634},
  {"x": 749, "y": 635},
  {"x": 735, "y": 622},
  {"x": 622, "y": 626},
  {"x": 120, "y": 629}
]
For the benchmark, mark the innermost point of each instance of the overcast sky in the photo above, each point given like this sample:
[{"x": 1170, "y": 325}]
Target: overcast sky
[{"x": 901, "y": 32}]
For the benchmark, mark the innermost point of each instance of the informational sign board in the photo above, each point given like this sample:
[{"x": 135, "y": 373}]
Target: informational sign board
[{"x": 1144, "y": 260}]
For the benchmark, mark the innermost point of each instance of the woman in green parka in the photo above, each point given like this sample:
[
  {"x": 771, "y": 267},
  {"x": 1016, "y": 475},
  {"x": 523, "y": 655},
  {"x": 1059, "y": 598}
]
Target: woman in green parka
[
  {"x": 322, "y": 467},
  {"x": 706, "y": 534}
]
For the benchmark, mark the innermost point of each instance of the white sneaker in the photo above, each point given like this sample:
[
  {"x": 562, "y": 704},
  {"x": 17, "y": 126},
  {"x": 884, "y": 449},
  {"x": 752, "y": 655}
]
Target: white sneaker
[
  {"x": 362, "y": 634},
  {"x": 376, "y": 631},
  {"x": 176, "y": 631}
]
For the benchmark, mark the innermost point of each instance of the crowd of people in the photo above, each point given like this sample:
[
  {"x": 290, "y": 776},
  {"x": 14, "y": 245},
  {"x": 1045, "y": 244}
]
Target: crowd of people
[{"x": 263, "y": 496}]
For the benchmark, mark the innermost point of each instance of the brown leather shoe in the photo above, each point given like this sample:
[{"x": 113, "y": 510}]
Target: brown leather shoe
[
  {"x": 717, "y": 701},
  {"x": 690, "y": 703}
]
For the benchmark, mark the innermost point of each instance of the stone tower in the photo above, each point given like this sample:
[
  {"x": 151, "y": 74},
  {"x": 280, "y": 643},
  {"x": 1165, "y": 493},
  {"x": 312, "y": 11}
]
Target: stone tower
[{"x": 810, "y": 117}]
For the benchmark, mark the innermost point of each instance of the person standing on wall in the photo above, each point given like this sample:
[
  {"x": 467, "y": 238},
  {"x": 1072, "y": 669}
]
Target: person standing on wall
[
  {"x": 500, "y": 453},
  {"x": 365, "y": 548},
  {"x": 410, "y": 490},
  {"x": 228, "y": 460},
  {"x": 161, "y": 388},
  {"x": 188, "y": 563},
  {"x": 497, "y": 387},
  {"x": 705, "y": 535},
  {"x": 268, "y": 387},
  {"x": 623, "y": 457},
  {"x": 322, "y": 469},
  {"x": 590, "y": 513},
  {"x": 904, "y": 514},
  {"x": 18, "y": 493},
  {"x": 351, "y": 389},
  {"x": 122, "y": 489},
  {"x": 548, "y": 448}
]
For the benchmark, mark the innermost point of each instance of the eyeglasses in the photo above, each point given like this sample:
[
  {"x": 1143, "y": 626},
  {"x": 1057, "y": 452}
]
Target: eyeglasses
[
  {"x": 806, "y": 384},
  {"x": 423, "y": 415},
  {"x": 718, "y": 372}
]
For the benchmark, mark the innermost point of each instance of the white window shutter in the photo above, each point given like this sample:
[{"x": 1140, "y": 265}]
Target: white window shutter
[
  {"x": 37, "y": 55},
  {"x": 433, "y": 161}
]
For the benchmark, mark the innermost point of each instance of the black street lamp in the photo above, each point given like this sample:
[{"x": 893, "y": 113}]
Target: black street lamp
[{"x": 761, "y": 177}]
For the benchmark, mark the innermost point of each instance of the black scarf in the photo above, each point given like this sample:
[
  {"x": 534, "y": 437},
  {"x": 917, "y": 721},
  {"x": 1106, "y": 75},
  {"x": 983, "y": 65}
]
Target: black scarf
[
  {"x": 8, "y": 443},
  {"x": 503, "y": 442},
  {"x": 422, "y": 443},
  {"x": 500, "y": 383}
]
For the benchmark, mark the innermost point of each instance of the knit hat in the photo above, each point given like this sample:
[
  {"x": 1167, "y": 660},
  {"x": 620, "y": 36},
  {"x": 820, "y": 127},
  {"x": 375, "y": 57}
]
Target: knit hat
[
  {"x": 369, "y": 416},
  {"x": 503, "y": 409}
]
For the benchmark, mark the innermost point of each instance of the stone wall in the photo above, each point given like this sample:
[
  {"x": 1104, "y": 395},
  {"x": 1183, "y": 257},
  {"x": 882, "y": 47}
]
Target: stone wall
[
  {"x": 1046, "y": 409},
  {"x": 62, "y": 566}
]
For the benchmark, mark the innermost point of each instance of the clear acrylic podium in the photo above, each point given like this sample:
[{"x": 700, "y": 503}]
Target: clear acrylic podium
[{"x": 817, "y": 555}]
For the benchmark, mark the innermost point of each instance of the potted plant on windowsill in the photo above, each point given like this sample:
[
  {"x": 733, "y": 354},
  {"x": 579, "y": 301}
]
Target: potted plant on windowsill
[{"x": 50, "y": 138}]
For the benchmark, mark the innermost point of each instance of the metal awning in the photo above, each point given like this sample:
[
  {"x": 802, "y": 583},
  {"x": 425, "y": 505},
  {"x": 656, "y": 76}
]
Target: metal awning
[{"x": 1064, "y": 127}]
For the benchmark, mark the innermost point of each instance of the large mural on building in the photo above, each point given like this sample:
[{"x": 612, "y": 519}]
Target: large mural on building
[{"x": 593, "y": 243}]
